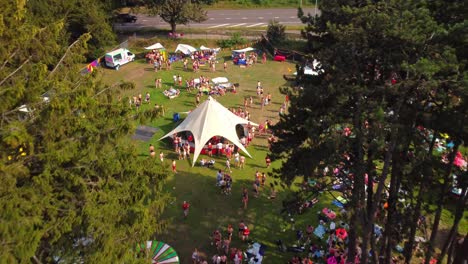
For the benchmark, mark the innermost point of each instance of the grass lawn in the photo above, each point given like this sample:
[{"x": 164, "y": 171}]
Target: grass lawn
[{"x": 210, "y": 209}]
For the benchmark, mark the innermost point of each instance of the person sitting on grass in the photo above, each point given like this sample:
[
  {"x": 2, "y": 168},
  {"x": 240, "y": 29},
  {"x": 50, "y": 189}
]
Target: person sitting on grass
[{"x": 272, "y": 194}]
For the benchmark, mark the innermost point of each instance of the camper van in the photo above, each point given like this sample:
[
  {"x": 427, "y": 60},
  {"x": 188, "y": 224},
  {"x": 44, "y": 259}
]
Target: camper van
[{"x": 119, "y": 57}]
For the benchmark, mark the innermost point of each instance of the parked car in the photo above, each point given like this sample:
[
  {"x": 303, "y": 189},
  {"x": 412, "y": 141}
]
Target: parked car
[
  {"x": 118, "y": 57},
  {"x": 125, "y": 18}
]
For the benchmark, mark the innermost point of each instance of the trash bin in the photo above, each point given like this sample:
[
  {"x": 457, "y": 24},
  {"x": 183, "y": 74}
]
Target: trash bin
[{"x": 176, "y": 117}]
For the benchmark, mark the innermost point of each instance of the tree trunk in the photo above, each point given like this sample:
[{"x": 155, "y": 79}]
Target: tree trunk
[
  {"x": 425, "y": 181},
  {"x": 358, "y": 182},
  {"x": 173, "y": 27},
  {"x": 366, "y": 237},
  {"x": 440, "y": 202},
  {"x": 460, "y": 251},
  {"x": 458, "y": 216}
]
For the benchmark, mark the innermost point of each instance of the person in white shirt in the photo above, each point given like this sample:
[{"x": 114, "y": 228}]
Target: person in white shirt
[
  {"x": 228, "y": 166},
  {"x": 219, "y": 147}
]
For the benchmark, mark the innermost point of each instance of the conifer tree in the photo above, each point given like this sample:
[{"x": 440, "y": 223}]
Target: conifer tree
[
  {"x": 72, "y": 186},
  {"x": 386, "y": 72}
]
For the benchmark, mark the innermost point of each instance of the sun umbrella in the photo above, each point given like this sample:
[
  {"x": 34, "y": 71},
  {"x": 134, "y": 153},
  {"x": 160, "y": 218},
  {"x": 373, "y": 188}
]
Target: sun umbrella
[{"x": 160, "y": 252}]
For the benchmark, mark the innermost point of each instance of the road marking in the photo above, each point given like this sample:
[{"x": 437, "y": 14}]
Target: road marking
[
  {"x": 144, "y": 20},
  {"x": 255, "y": 25},
  {"x": 260, "y": 17},
  {"x": 211, "y": 18},
  {"x": 276, "y": 17},
  {"x": 244, "y": 18},
  {"x": 217, "y": 26},
  {"x": 238, "y": 25},
  {"x": 293, "y": 17},
  {"x": 228, "y": 18}
]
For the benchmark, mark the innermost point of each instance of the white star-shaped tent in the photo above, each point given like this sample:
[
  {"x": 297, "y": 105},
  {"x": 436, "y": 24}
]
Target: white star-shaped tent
[{"x": 208, "y": 120}]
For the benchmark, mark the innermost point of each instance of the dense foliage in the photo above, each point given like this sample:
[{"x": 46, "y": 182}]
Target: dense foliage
[
  {"x": 394, "y": 79},
  {"x": 72, "y": 187},
  {"x": 176, "y": 12}
]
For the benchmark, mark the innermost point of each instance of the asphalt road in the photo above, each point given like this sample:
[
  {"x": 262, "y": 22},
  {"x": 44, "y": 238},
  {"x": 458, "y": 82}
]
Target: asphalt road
[{"x": 225, "y": 19}]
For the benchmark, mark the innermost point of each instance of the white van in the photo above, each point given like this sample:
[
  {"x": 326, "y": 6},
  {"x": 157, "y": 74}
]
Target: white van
[{"x": 118, "y": 57}]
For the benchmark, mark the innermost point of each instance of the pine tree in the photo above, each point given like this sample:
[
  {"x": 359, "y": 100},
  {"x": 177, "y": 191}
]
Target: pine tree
[
  {"x": 72, "y": 185},
  {"x": 386, "y": 72}
]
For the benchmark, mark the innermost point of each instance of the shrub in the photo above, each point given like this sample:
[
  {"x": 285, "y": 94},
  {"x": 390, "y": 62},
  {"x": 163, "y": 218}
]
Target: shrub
[{"x": 234, "y": 40}]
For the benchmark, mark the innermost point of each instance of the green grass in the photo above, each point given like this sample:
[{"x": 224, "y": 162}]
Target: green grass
[{"x": 211, "y": 210}]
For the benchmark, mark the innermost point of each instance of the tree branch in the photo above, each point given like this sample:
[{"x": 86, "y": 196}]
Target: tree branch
[
  {"x": 6, "y": 61},
  {"x": 17, "y": 69},
  {"x": 63, "y": 57}
]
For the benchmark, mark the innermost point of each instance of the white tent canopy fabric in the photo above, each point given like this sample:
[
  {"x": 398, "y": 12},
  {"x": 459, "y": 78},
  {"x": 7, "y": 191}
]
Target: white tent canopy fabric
[
  {"x": 186, "y": 49},
  {"x": 206, "y": 48},
  {"x": 155, "y": 46},
  {"x": 244, "y": 50},
  {"x": 220, "y": 80},
  {"x": 312, "y": 71},
  {"x": 208, "y": 120}
]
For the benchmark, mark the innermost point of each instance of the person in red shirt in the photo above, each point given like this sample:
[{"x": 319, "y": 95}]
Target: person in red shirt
[
  {"x": 245, "y": 233},
  {"x": 185, "y": 207}
]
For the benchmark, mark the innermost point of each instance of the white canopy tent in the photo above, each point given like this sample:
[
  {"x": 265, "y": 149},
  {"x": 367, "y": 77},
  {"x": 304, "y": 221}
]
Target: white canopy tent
[
  {"x": 155, "y": 46},
  {"x": 186, "y": 49},
  {"x": 312, "y": 71},
  {"x": 220, "y": 80},
  {"x": 208, "y": 120},
  {"x": 206, "y": 48},
  {"x": 244, "y": 50}
]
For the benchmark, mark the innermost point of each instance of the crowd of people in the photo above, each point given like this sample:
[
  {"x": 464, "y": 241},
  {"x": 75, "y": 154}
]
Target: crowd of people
[
  {"x": 221, "y": 242},
  {"x": 216, "y": 149}
]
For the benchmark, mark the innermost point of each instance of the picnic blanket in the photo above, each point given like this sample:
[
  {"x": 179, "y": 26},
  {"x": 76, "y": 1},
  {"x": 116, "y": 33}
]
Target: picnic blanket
[
  {"x": 171, "y": 93},
  {"x": 329, "y": 213},
  {"x": 319, "y": 231},
  {"x": 342, "y": 200},
  {"x": 338, "y": 204}
]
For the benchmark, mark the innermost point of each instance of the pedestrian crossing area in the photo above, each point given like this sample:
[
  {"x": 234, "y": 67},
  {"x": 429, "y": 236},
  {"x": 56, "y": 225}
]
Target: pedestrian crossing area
[{"x": 239, "y": 25}]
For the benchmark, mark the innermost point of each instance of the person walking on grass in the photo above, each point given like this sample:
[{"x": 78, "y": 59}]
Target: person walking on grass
[
  {"x": 245, "y": 197},
  {"x": 228, "y": 166},
  {"x": 242, "y": 162},
  {"x": 267, "y": 161},
  {"x": 185, "y": 208},
  {"x": 229, "y": 230},
  {"x": 161, "y": 156},
  {"x": 241, "y": 228},
  {"x": 174, "y": 166}
]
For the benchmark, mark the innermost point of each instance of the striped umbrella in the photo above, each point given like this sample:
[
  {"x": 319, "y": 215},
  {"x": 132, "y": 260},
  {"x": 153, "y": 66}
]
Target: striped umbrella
[{"x": 160, "y": 252}]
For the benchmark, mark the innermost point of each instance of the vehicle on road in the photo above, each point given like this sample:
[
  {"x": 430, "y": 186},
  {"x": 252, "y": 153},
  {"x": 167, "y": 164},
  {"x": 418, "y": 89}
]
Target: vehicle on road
[
  {"x": 125, "y": 18},
  {"x": 119, "y": 57}
]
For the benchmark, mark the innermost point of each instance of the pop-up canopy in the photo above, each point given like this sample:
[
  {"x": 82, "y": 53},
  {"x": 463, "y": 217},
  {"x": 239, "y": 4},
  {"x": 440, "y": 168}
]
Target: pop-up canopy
[
  {"x": 155, "y": 46},
  {"x": 208, "y": 120},
  {"x": 186, "y": 49}
]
